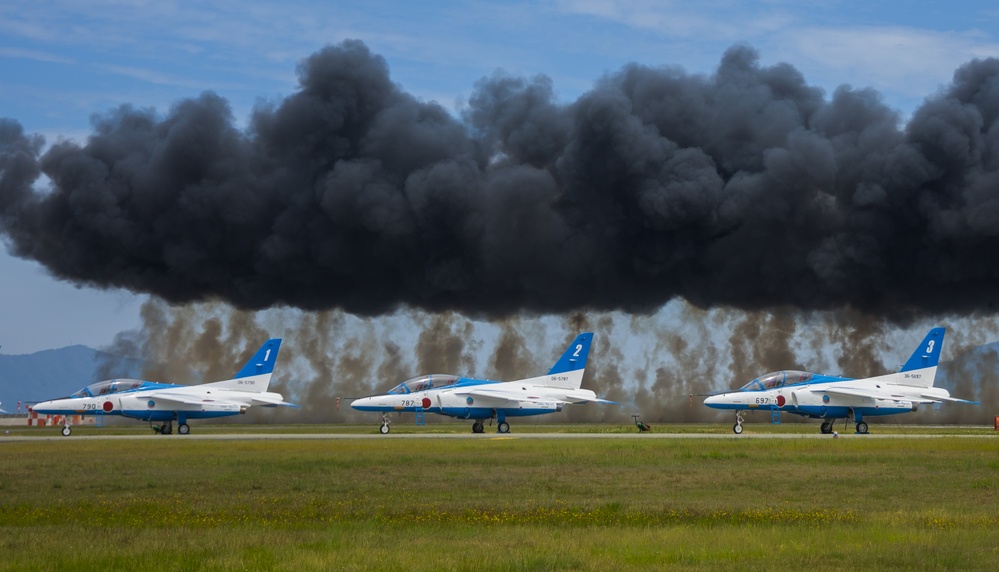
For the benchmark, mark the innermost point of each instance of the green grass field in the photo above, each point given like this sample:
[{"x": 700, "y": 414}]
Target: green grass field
[{"x": 501, "y": 503}]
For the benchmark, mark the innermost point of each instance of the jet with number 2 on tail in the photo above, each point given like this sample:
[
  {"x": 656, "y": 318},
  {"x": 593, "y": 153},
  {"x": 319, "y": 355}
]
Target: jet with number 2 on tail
[
  {"x": 479, "y": 400},
  {"x": 167, "y": 402},
  {"x": 829, "y": 398}
]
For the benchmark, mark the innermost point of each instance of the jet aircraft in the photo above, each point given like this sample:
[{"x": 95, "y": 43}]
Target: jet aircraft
[
  {"x": 167, "y": 402},
  {"x": 829, "y": 398},
  {"x": 477, "y": 399}
]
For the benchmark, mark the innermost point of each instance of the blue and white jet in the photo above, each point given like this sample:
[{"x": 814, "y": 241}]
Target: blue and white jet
[
  {"x": 167, "y": 402},
  {"x": 478, "y": 399},
  {"x": 829, "y": 398}
]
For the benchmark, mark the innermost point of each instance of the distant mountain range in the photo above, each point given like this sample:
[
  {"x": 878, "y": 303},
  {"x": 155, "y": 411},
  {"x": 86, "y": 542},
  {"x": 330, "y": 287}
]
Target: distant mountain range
[{"x": 55, "y": 373}]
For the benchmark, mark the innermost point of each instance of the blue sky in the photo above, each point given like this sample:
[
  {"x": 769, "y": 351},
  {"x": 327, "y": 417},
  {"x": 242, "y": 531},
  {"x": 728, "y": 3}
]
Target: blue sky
[{"x": 61, "y": 62}]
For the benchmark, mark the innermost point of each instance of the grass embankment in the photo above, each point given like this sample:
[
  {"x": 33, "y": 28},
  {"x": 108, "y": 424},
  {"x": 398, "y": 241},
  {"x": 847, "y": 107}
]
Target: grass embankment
[{"x": 485, "y": 504}]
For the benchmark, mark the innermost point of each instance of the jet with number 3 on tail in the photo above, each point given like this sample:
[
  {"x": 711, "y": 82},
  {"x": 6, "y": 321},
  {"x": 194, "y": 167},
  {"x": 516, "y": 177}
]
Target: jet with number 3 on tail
[
  {"x": 167, "y": 402},
  {"x": 479, "y": 400},
  {"x": 829, "y": 398}
]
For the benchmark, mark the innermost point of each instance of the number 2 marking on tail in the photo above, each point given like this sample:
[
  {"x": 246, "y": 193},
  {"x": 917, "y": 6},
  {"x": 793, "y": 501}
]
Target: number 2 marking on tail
[{"x": 579, "y": 348}]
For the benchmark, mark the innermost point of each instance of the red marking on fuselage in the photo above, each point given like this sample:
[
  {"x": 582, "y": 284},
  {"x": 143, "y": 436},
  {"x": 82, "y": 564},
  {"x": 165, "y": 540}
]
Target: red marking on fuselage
[
  {"x": 108, "y": 406},
  {"x": 426, "y": 403},
  {"x": 781, "y": 401}
]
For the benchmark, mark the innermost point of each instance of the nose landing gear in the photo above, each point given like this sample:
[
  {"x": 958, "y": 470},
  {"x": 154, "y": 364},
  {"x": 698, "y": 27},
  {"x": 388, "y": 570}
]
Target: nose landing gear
[{"x": 737, "y": 428}]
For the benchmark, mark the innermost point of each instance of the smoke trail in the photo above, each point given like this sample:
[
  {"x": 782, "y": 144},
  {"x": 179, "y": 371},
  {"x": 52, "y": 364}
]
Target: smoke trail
[
  {"x": 747, "y": 188},
  {"x": 649, "y": 364}
]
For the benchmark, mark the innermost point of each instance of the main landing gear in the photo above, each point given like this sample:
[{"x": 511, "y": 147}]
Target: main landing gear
[
  {"x": 167, "y": 428},
  {"x": 502, "y": 427},
  {"x": 861, "y": 425},
  {"x": 827, "y": 426}
]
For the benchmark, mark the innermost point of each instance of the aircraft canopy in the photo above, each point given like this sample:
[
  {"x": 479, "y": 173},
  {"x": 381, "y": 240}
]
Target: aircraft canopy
[
  {"x": 108, "y": 386},
  {"x": 425, "y": 382},
  {"x": 777, "y": 379}
]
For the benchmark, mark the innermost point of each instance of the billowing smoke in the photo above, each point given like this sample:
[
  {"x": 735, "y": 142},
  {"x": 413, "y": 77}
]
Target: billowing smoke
[{"x": 746, "y": 188}]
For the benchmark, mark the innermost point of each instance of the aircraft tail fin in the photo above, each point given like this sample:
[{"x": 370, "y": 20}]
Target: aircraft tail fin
[
  {"x": 568, "y": 370},
  {"x": 255, "y": 376},
  {"x": 926, "y": 357}
]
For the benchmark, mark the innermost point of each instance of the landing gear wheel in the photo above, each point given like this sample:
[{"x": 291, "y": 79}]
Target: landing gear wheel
[
  {"x": 862, "y": 428},
  {"x": 737, "y": 428},
  {"x": 66, "y": 431},
  {"x": 827, "y": 427},
  {"x": 166, "y": 429},
  {"x": 183, "y": 428},
  {"x": 384, "y": 429},
  {"x": 477, "y": 427},
  {"x": 503, "y": 427}
]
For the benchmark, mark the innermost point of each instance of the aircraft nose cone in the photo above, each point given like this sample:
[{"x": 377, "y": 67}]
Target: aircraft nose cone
[
  {"x": 713, "y": 400},
  {"x": 45, "y": 407},
  {"x": 361, "y": 404}
]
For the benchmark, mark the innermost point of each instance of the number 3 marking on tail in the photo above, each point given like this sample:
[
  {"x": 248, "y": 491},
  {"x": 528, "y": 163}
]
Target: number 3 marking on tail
[{"x": 929, "y": 348}]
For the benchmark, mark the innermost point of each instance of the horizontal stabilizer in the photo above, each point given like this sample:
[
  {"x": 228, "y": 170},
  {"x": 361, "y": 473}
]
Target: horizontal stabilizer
[
  {"x": 939, "y": 398},
  {"x": 266, "y": 402}
]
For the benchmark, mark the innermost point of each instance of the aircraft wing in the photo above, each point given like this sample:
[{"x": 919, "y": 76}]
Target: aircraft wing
[
  {"x": 567, "y": 397},
  {"x": 861, "y": 392},
  {"x": 181, "y": 399},
  {"x": 516, "y": 396},
  {"x": 856, "y": 392}
]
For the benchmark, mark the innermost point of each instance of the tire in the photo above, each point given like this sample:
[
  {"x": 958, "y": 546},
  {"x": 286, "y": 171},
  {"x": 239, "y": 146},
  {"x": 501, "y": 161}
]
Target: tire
[
  {"x": 503, "y": 427},
  {"x": 862, "y": 428},
  {"x": 477, "y": 427},
  {"x": 384, "y": 429},
  {"x": 827, "y": 428},
  {"x": 66, "y": 431},
  {"x": 737, "y": 428},
  {"x": 183, "y": 429}
]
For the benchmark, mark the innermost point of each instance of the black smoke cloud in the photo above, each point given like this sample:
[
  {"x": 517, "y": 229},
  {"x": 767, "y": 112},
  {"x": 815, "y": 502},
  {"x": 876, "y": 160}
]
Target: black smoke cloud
[{"x": 747, "y": 188}]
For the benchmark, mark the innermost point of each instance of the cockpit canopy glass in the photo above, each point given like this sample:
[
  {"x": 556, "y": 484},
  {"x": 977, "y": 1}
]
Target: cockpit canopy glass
[
  {"x": 777, "y": 379},
  {"x": 108, "y": 387},
  {"x": 425, "y": 382}
]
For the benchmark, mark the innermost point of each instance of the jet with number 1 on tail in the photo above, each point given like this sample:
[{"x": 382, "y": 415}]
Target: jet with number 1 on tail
[
  {"x": 481, "y": 400},
  {"x": 829, "y": 398},
  {"x": 167, "y": 402}
]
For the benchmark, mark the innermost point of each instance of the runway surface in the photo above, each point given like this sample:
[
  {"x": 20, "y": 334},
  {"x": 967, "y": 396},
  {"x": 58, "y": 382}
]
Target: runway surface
[{"x": 485, "y": 436}]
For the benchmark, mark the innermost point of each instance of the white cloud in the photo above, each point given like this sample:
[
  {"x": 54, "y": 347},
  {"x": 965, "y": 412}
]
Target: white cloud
[{"x": 888, "y": 58}]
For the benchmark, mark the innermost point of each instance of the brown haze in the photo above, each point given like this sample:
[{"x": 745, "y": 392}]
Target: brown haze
[{"x": 654, "y": 366}]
